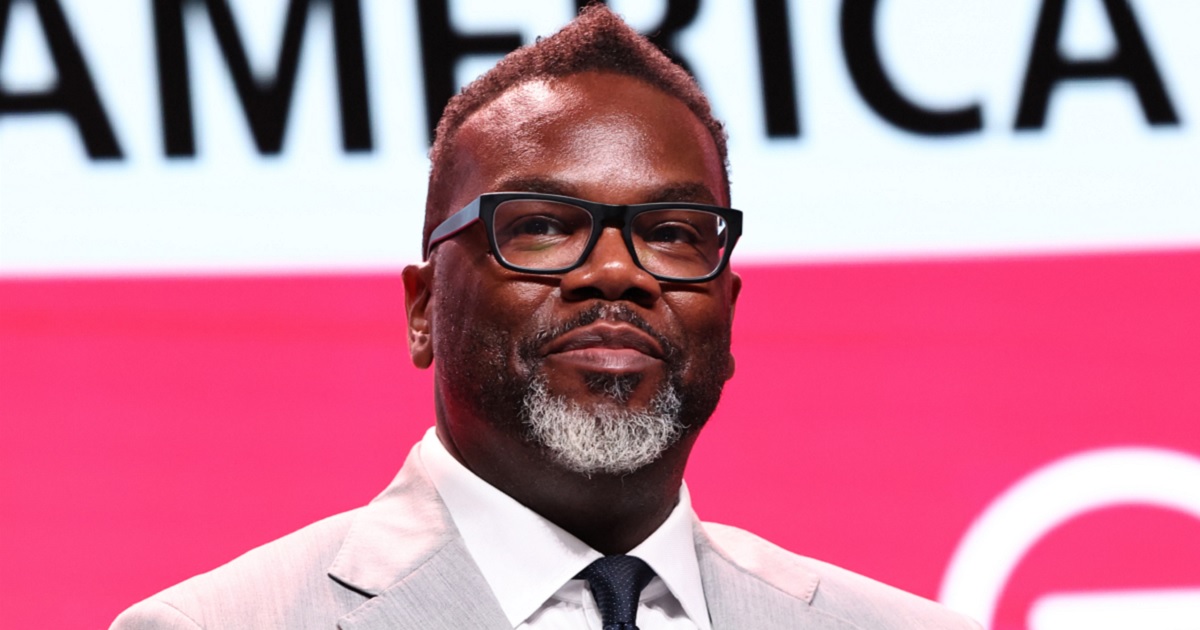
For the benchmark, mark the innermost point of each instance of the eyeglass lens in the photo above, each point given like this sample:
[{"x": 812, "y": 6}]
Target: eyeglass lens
[{"x": 546, "y": 235}]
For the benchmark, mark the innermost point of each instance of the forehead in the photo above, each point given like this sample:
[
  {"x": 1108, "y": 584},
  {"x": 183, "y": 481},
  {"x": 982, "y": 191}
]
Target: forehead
[{"x": 599, "y": 136}]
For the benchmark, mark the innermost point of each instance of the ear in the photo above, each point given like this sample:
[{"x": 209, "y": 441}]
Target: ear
[
  {"x": 735, "y": 289},
  {"x": 418, "y": 281}
]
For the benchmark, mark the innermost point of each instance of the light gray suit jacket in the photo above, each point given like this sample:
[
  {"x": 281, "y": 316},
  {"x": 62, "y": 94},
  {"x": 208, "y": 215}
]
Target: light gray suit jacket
[{"x": 400, "y": 563}]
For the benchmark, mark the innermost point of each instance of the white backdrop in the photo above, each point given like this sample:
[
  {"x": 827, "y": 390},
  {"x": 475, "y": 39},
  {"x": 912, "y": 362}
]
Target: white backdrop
[{"x": 1096, "y": 176}]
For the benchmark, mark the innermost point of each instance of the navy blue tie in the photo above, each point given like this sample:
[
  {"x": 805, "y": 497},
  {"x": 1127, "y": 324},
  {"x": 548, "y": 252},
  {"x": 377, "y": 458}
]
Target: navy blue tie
[{"x": 617, "y": 583}]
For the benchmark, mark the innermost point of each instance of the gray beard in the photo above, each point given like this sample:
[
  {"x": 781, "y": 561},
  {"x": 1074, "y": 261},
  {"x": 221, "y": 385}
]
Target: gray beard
[{"x": 607, "y": 440}]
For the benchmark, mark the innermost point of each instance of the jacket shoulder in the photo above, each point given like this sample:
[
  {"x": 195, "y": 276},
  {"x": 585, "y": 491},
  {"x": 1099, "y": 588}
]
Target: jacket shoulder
[
  {"x": 284, "y": 583},
  {"x": 846, "y": 599}
]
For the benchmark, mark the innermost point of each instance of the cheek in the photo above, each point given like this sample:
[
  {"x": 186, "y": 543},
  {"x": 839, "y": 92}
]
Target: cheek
[
  {"x": 701, "y": 316},
  {"x": 704, "y": 324},
  {"x": 481, "y": 311},
  {"x": 457, "y": 307}
]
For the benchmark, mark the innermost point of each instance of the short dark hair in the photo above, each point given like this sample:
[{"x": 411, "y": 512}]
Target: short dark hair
[{"x": 596, "y": 40}]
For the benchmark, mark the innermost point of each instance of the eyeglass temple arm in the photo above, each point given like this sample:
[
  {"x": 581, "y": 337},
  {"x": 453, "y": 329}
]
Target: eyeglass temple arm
[{"x": 456, "y": 223}]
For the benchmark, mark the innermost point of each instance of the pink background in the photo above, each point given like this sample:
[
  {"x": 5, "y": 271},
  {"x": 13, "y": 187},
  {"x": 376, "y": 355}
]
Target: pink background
[{"x": 155, "y": 428}]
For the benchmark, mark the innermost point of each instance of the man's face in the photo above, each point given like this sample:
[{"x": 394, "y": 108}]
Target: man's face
[{"x": 605, "y": 339}]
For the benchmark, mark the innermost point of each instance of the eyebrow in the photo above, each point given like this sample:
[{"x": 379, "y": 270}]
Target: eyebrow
[
  {"x": 544, "y": 185},
  {"x": 690, "y": 191},
  {"x": 683, "y": 192}
]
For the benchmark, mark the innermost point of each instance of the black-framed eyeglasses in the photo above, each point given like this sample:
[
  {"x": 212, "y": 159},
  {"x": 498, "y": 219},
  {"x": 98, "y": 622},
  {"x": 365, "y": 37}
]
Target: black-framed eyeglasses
[{"x": 542, "y": 233}]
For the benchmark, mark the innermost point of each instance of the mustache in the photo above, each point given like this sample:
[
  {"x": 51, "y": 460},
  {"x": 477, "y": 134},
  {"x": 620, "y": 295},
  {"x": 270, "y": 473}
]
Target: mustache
[{"x": 598, "y": 312}]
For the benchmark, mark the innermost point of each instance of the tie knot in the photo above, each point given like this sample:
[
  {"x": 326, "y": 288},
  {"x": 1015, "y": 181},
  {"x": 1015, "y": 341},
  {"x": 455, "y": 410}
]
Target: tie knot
[{"x": 617, "y": 583}]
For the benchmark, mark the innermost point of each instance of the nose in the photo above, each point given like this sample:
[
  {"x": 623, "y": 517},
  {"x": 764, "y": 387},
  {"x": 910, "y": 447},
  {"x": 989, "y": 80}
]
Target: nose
[{"x": 609, "y": 273}]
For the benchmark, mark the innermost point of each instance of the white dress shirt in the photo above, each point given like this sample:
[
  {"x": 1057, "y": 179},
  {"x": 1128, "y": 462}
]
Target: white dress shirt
[{"x": 531, "y": 563}]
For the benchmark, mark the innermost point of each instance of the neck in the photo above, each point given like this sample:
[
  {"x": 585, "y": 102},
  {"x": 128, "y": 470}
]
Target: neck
[{"x": 611, "y": 514}]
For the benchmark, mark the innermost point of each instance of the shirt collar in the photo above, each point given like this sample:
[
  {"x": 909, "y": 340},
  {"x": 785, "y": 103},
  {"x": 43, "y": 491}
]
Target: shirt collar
[{"x": 526, "y": 558}]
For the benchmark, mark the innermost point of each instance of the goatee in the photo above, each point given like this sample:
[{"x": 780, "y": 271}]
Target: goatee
[{"x": 603, "y": 439}]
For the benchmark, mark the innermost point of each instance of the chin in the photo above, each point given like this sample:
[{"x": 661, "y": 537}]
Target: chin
[{"x": 607, "y": 438}]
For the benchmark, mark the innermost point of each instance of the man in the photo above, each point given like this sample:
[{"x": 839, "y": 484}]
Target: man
[{"x": 576, "y": 304}]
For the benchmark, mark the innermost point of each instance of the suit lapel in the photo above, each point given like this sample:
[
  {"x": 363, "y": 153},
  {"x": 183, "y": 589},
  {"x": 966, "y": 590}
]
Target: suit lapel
[
  {"x": 760, "y": 589},
  {"x": 405, "y": 554},
  {"x": 447, "y": 592}
]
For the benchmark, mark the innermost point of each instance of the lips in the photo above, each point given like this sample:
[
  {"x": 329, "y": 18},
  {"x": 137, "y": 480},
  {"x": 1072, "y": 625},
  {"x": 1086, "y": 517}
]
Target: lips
[{"x": 606, "y": 346}]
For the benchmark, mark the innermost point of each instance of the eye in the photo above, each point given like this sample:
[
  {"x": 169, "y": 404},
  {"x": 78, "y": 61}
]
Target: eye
[
  {"x": 537, "y": 225},
  {"x": 672, "y": 232}
]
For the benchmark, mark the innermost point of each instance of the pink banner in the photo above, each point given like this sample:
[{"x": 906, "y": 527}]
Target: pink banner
[{"x": 1014, "y": 435}]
